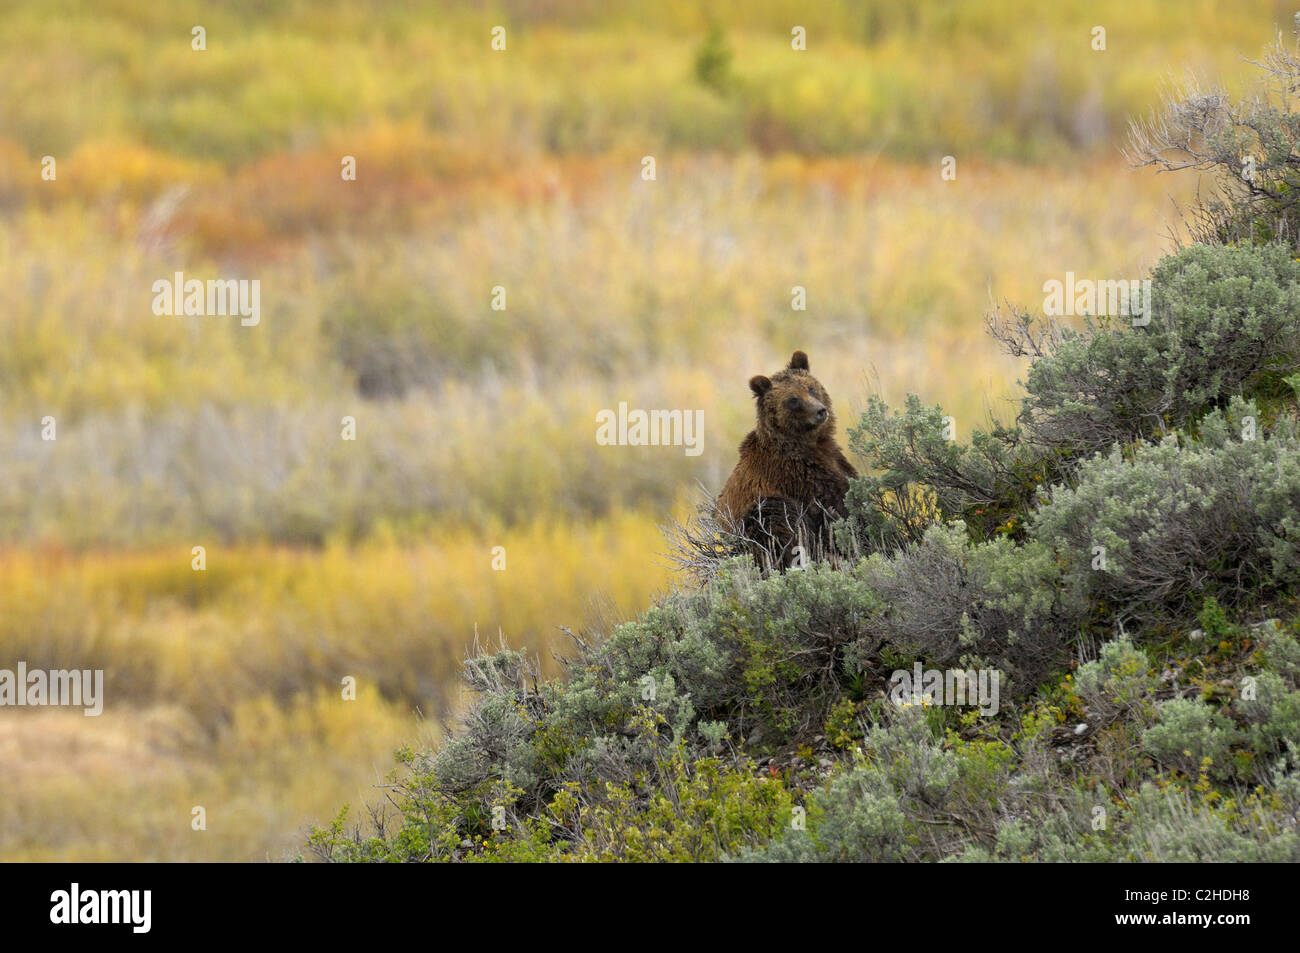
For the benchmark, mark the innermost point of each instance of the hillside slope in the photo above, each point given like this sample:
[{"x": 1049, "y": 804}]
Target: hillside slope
[{"x": 1118, "y": 573}]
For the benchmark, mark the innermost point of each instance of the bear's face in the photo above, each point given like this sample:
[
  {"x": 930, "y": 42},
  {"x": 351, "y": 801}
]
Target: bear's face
[{"x": 792, "y": 404}]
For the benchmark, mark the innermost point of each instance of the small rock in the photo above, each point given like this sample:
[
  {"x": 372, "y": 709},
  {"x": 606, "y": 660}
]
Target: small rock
[
  {"x": 1196, "y": 635},
  {"x": 1081, "y": 728},
  {"x": 826, "y": 763}
]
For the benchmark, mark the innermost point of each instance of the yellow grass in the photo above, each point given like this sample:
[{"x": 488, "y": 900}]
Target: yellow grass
[{"x": 223, "y": 688}]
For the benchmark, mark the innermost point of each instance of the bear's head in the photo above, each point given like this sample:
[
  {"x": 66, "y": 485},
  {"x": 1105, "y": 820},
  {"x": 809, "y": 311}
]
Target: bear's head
[{"x": 792, "y": 404}]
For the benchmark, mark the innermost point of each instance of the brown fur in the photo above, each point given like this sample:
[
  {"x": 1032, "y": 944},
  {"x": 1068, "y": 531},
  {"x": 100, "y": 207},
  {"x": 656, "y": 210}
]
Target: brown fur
[{"x": 789, "y": 463}]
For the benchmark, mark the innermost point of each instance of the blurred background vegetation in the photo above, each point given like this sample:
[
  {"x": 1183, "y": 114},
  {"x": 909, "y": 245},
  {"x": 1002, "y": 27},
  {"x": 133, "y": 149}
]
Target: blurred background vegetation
[{"x": 475, "y": 427}]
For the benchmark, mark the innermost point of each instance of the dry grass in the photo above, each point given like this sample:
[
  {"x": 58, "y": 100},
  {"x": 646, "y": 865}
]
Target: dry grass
[{"x": 223, "y": 688}]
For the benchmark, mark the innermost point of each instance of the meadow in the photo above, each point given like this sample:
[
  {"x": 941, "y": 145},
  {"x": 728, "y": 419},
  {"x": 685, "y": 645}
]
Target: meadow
[{"x": 475, "y": 427}]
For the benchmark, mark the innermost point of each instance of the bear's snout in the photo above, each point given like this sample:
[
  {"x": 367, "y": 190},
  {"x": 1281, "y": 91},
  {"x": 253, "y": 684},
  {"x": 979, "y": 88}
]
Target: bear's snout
[{"x": 815, "y": 412}]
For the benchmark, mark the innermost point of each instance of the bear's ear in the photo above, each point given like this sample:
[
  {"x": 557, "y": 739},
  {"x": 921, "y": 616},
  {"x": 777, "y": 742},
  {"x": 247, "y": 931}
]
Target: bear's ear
[
  {"x": 760, "y": 385},
  {"x": 799, "y": 361}
]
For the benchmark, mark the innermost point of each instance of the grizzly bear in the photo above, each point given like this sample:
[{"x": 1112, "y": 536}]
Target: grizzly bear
[{"x": 790, "y": 482}]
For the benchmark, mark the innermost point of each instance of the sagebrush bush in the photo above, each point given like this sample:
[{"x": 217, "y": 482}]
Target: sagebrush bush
[
  {"x": 1188, "y": 734},
  {"x": 1195, "y": 515},
  {"x": 1118, "y": 681},
  {"x": 703, "y": 809},
  {"x": 1280, "y": 650},
  {"x": 1271, "y": 716},
  {"x": 1173, "y": 825},
  {"x": 858, "y": 819},
  {"x": 1248, "y": 147},
  {"x": 1222, "y": 324},
  {"x": 992, "y": 604},
  {"x": 744, "y": 658},
  {"x": 921, "y": 477}
]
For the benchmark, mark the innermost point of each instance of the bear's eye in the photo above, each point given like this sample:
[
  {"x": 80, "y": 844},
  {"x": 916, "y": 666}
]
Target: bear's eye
[{"x": 792, "y": 403}]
